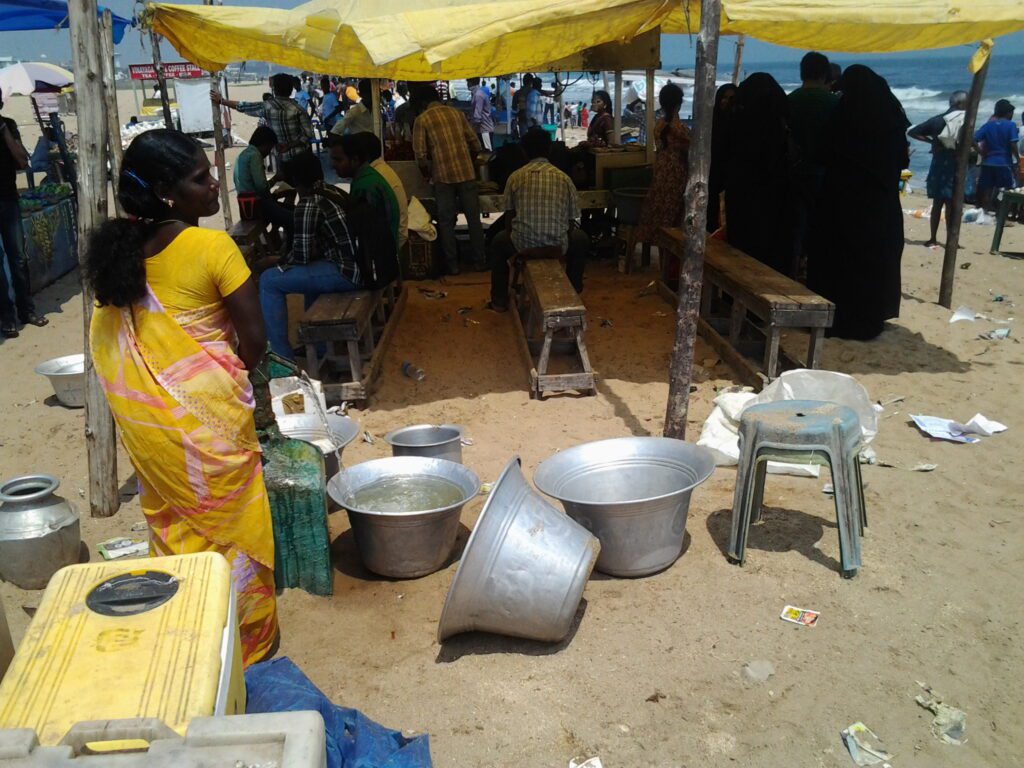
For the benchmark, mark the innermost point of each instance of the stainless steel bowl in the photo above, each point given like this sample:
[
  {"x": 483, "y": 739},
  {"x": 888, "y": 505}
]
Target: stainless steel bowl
[
  {"x": 633, "y": 493},
  {"x": 437, "y": 441},
  {"x": 403, "y": 545},
  {"x": 67, "y": 377},
  {"x": 310, "y": 427},
  {"x": 524, "y": 567}
]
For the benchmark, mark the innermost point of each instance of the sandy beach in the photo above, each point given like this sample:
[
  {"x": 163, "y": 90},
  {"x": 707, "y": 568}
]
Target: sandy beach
[{"x": 651, "y": 674}]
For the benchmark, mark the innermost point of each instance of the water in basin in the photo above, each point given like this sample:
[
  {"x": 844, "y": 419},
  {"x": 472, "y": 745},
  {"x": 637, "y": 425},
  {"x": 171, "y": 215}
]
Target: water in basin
[{"x": 406, "y": 493}]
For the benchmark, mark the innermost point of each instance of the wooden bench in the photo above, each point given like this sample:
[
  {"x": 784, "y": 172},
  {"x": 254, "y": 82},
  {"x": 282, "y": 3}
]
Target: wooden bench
[
  {"x": 262, "y": 247},
  {"x": 356, "y": 327},
  {"x": 745, "y": 306},
  {"x": 546, "y": 303}
]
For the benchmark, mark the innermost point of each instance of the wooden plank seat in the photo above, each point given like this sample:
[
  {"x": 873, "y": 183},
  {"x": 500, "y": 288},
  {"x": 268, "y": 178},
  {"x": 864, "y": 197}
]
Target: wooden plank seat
[
  {"x": 745, "y": 306},
  {"x": 546, "y": 305},
  {"x": 355, "y": 328}
]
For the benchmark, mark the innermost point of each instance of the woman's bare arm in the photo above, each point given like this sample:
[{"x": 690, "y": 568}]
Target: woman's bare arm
[{"x": 243, "y": 306}]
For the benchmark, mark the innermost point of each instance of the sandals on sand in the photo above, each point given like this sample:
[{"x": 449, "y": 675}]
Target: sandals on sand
[
  {"x": 34, "y": 319},
  {"x": 9, "y": 331}
]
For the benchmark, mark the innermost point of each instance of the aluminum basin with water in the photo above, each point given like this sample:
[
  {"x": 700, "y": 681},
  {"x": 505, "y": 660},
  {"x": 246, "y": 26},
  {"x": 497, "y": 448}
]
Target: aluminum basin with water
[
  {"x": 633, "y": 493},
  {"x": 438, "y": 441},
  {"x": 524, "y": 567},
  {"x": 310, "y": 427},
  {"x": 403, "y": 545}
]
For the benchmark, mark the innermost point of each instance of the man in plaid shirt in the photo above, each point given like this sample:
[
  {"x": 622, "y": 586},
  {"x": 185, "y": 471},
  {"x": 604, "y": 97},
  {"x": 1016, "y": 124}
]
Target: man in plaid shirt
[
  {"x": 283, "y": 115},
  {"x": 445, "y": 147},
  {"x": 542, "y": 211},
  {"x": 323, "y": 255}
]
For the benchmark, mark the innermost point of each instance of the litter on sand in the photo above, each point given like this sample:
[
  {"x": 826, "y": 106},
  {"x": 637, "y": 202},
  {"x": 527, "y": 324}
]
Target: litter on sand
[
  {"x": 963, "y": 313},
  {"x": 803, "y": 616},
  {"x": 367, "y": 437},
  {"x": 924, "y": 467},
  {"x": 864, "y": 746},
  {"x": 606, "y": 323},
  {"x": 591, "y": 762},
  {"x": 116, "y": 548},
  {"x": 433, "y": 295},
  {"x": 996, "y": 334},
  {"x": 947, "y": 429},
  {"x": 949, "y": 724}
]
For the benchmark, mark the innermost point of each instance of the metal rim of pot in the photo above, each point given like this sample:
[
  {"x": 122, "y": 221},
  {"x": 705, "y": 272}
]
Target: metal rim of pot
[
  {"x": 412, "y": 461},
  {"x": 389, "y": 438},
  {"x": 42, "y": 486}
]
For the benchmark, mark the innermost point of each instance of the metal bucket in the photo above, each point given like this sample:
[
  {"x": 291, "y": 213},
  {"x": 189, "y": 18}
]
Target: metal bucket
[
  {"x": 524, "y": 567},
  {"x": 435, "y": 441},
  {"x": 633, "y": 493},
  {"x": 310, "y": 427},
  {"x": 39, "y": 531},
  {"x": 67, "y": 377},
  {"x": 403, "y": 545}
]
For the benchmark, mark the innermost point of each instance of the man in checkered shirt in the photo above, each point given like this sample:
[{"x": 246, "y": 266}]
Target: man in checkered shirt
[{"x": 542, "y": 211}]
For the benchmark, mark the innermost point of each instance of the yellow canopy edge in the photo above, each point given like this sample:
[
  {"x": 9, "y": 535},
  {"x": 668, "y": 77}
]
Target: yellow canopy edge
[{"x": 427, "y": 39}]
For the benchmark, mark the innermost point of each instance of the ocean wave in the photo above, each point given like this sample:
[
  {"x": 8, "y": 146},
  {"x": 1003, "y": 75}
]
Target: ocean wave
[{"x": 914, "y": 93}]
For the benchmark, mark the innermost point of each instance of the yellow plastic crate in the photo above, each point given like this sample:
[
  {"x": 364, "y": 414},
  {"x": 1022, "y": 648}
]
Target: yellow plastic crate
[{"x": 145, "y": 638}]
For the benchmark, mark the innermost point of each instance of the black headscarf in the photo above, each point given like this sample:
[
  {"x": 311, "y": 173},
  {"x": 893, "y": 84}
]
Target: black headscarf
[
  {"x": 759, "y": 122},
  {"x": 870, "y": 124}
]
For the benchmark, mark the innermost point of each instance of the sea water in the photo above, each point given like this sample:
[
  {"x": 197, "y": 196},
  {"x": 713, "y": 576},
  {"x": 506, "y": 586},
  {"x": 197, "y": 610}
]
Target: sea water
[{"x": 406, "y": 493}]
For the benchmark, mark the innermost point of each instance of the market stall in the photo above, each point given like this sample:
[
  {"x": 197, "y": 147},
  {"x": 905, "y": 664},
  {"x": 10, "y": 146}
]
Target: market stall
[{"x": 49, "y": 215}]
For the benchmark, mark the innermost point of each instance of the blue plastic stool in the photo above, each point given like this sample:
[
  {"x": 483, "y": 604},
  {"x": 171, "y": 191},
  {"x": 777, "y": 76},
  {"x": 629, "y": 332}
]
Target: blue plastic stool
[{"x": 808, "y": 432}]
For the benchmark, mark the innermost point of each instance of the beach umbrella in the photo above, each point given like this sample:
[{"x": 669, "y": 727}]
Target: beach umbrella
[
  {"x": 33, "y": 76},
  {"x": 25, "y": 15}
]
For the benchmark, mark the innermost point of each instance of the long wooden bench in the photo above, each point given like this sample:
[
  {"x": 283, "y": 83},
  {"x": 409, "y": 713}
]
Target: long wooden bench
[
  {"x": 546, "y": 304},
  {"x": 746, "y": 305},
  {"x": 355, "y": 327}
]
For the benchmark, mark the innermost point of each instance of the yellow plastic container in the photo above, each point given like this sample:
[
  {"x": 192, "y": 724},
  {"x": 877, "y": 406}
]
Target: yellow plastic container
[{"x": 151, "y": 638}]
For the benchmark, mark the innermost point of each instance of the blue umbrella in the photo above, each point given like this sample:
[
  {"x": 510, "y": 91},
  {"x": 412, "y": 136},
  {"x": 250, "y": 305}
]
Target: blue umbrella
[{"x": 21, "y": 15}]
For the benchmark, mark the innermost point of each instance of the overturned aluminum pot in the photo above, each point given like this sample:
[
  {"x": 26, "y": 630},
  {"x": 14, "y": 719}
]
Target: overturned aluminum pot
[{"x": 524, "y": 567}]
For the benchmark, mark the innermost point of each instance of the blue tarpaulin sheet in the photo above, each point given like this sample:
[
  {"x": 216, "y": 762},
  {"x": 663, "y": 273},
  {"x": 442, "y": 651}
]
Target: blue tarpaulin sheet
[
  {"x": 353, "y": 740},
  {"x": 22, "y": 15}
]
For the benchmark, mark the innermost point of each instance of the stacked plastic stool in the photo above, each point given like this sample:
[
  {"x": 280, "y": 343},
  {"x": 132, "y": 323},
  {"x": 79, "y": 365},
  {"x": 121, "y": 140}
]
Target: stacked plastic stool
[{"x": 808, "y": 432}]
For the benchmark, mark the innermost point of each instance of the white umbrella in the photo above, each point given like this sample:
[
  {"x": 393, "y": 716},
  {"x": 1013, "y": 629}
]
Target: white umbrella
[{"x": 28, "y": 78}]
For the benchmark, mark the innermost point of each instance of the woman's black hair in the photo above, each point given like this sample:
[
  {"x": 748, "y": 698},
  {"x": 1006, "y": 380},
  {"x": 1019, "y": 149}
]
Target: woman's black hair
[
  {"x": 154, "y": 163},
  {"x": 671, "y": 99},
  {"x": 603, "y": 95}
]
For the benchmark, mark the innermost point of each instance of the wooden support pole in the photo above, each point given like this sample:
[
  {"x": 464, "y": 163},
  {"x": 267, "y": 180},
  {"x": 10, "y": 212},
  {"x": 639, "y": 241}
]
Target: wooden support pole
[
  {"x": 110, "y": 97},
  {"x": 649, "y": 116},
  {"x": 561, "y": 106},
  {"x": 955, "y": 209},
  {"x": 218, "y": 154},
  {"x": 617, "y": 108},
  {"x": 158, "y": 65},
  {"x": 737, "y": 63},
  {"x": 378, "y": 123},
  {"x": 92, "y": 211},
  {"x": 695, "y": 218}
]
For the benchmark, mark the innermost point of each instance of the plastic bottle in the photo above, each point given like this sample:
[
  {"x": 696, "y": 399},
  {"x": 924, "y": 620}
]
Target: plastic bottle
[{"x": 412, "y": 372}]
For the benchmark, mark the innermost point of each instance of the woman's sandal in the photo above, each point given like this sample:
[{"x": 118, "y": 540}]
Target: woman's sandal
[
  {"x": 9, "y": 331},
  {"x": 34, "y": 319}
]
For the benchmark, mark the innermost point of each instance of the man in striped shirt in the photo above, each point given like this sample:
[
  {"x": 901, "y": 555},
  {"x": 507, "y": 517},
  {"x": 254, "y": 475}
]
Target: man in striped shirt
[
  {"x": 446, "y": 147},
  {"x": 542, "y": 211}
]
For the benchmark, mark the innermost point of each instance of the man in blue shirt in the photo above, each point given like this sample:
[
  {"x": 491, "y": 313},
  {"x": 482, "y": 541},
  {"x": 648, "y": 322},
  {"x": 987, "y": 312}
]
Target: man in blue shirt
[{"x": 997, "y": 142}]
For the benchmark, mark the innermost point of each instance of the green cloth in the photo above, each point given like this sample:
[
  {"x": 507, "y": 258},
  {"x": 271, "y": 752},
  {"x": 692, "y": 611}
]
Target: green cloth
[
  {"x": 809, "y": 111},
  {"x": 250, "y": 175},
  {"x": 369, "y": 185}
]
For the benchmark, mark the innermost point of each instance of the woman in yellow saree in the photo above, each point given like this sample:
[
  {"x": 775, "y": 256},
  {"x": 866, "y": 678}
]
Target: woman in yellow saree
[{"x": 176, "y": 329}]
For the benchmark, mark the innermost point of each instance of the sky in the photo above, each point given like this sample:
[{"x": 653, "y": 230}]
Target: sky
[{"x": 677, "y": 50}]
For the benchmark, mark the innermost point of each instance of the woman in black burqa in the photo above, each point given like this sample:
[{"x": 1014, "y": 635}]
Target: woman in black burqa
[
  {"x": 856, "y": 241},
  {"x": 759, "y": 205}
]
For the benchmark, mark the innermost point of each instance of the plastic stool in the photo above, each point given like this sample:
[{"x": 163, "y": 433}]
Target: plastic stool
[{"x": 801, "y": 431}]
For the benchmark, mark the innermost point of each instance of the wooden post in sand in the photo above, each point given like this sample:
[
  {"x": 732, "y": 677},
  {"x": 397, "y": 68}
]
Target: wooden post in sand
[
  {"x": 158, "y": 65},
  {"x": 92, "y": 211},
  {"x": 218, "y": 153},
  {"x": 649, "y": 117},
  {"x": 955, "y": 209},
  {"x": 617, "y": 108},
  {"x": 737, "y": 63},
  {"x": 110, "y": 99},
  {"x": 695, "y": 219}
]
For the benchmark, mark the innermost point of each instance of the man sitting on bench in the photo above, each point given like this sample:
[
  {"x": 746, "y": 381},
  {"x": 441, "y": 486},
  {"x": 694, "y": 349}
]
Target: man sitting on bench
[
  {"x": 255, "y": 200},
  {"x": 542, "y": 212},
  {"x": 322, "y": 259}
]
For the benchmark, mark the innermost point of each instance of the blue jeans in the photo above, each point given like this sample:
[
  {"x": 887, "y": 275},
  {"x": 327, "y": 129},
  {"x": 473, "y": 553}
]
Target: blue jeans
[
  {"x": 11, "y": 234},
  {"x": 308, "y": 279}
]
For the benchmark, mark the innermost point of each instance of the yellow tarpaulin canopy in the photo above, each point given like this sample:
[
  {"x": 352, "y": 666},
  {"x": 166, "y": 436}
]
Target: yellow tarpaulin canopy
[{"x": 425, "y": 39}]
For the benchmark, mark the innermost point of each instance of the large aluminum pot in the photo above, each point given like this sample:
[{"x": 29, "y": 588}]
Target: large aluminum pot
[
  {"x": 39, "y": 531},
  {"x": 310, "y": 427},
  {"x": 67, "y": 377},
  {"x": 633, "y": 493},
  {"x": 403, "y": 545},
  {"x": 436, "y": 441},
  {"x": 524, "y": 567}
]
